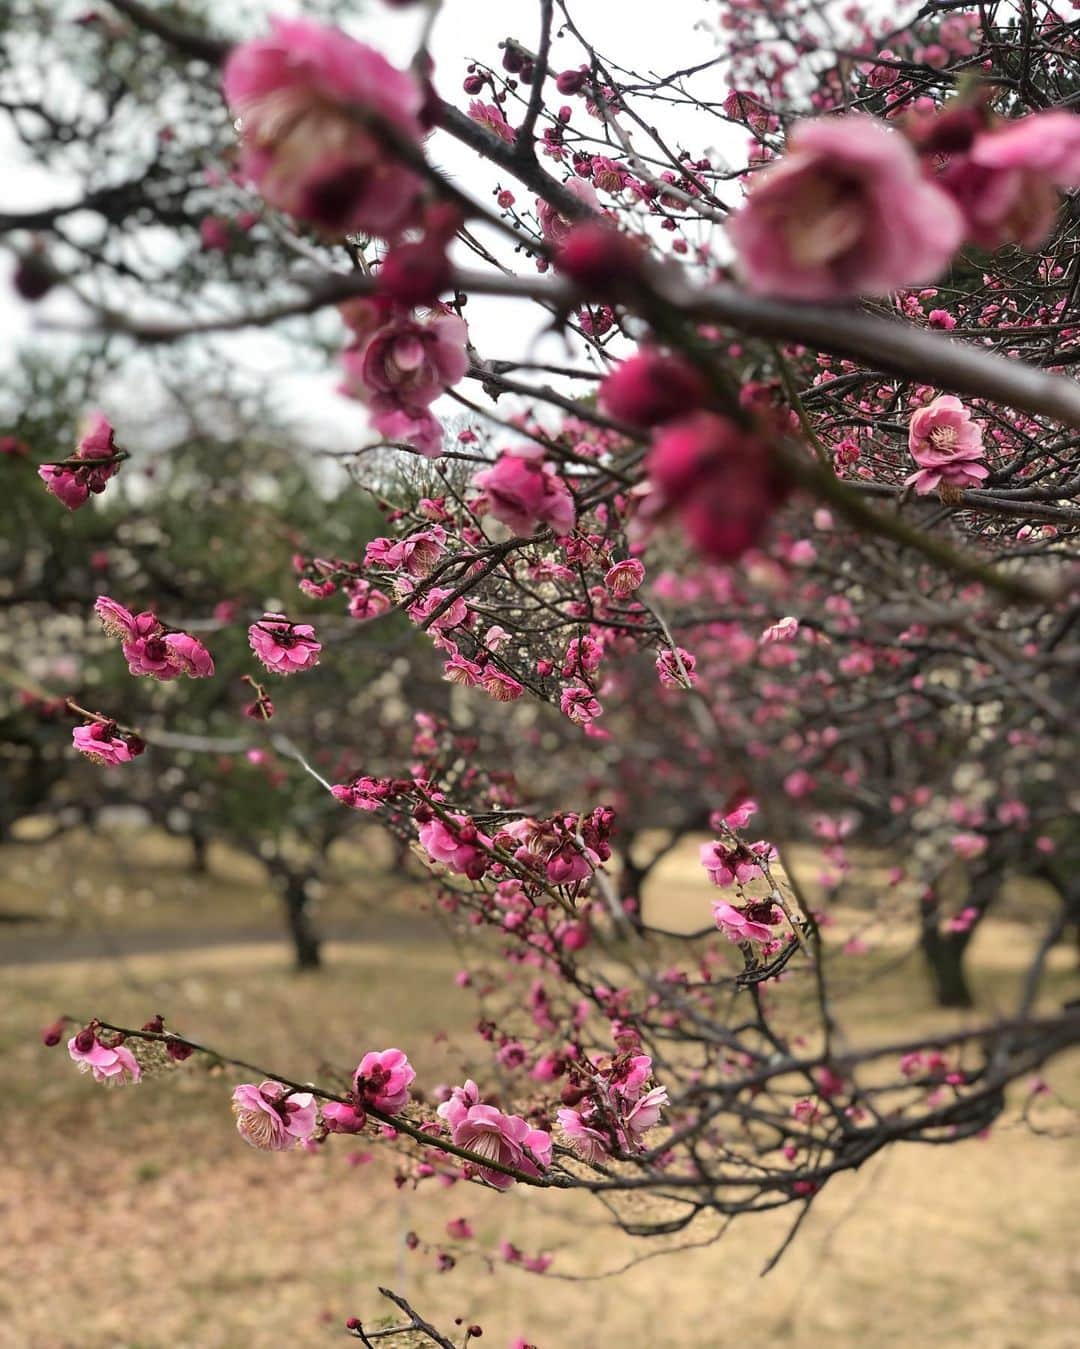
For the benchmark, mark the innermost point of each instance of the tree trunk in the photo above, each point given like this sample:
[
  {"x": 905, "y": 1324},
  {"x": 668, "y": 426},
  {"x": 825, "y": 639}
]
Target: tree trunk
[
  {"x": 200, "y": 853},
  {"x": 945, "y": 958},
  {"x": 306, "y": 944}
]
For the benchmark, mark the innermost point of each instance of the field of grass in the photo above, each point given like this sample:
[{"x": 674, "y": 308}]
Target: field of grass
[{"x": 136, "y": 1219}]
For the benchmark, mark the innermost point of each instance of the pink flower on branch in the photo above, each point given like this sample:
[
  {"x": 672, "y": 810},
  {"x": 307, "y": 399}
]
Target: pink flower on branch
[
  {"x": 112, "y": 1065},
  {"x": 845, "y": 212},
  {"x": 721, "y": 482},
  {"x": 947, "y": 445},
  {"x": 505, "y": 1139},
  {"x": 284, "y": 647},
  {"x": 271, "y": 1117},
  {"x": 104, "y": 743},
  {"x": 318, "y": 112},
  {"x": 382, "y": 1080},
  {"x": 522, "y": 491},
  {"x": 88, "y": 470},
  {"x": 1008, "y": 181}
]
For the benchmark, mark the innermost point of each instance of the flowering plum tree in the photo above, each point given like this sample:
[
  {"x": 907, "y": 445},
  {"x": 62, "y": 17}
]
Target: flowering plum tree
[{"x": 800, "y": 561}]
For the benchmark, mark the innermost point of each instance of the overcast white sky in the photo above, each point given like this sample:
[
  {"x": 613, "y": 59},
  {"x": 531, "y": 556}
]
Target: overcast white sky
[{"x": 636, "y": 33}]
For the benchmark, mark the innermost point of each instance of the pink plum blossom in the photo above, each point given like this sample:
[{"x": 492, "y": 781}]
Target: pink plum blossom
[
  {"x": 284, "y": 647},
  {"x": 644, "y": 1113},
  {"x": 522, "y": 491},
  {"x": 421, "y": 430},
  {"x": 580, "y": 705},
  {"x": 555, "y": 227},
  {"x": 458, "y": 845},
  {"x": 405, "y": 364},
  {"x": 651, "y": 387},
  {"x": 113, "y": 1065},
  {"x": 845, "y": 212},
  {"x": 340, "y": 1118},
  {"x": 104, "y": 743},
  {"x": 589, "y": 1143},
  {"x": 947, "y": 446},
  {"x": 623, "y": 578},
  {"x": 302, "y": 95},
  {"x": 382, "y": 1080},
  {"x": 271, "y": 1117},
  {"x": 507, "y": 1140},
  {"x": 1007, "y": 183},
  {"x": 736, "y": 926},
  {"x": 73, "y": 480},
  {"x": 720, "y": 481}
]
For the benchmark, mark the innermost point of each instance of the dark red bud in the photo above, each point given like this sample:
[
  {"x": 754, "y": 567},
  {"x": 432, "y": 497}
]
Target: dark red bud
[{"x": 52, "y": 1035}]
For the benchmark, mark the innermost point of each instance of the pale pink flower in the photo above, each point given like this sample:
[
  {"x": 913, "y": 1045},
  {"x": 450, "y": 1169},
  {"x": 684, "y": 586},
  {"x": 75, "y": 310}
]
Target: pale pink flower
[
  {"x": 103, "y": 743},
  {"x": 491, "y": 116},
  {"x": 644, "y": 1113},
  {"x": 969, "y": 846},
  {"x": 845, "y": 212},
  {"x": 497, "y": 684},
  {"x": 522, "y": 491},
  {"x": 284, "y": 647},
  {"x": 505, "y": 1139},
  {"x": 556, "y": 227},
  {"x": 115, "y": 619},
  {"x": 623, "y": 578},
  {"x": 460, "y": 1101},
  {"x": 947, "y": 446},
  {"x": 113, "y": 1066},
  {"x": 302, "y": 95},
  {"x": 629, "y": 1075},
  {"x": 272, "y": 1118},
  {"x": 590, "y": 1144},
  {"x": 1007, "y": 183},
  {"x": 783, "y": 630},
  {"x": 736, "y": 926},
  {"x": 382, "y": 1080}
]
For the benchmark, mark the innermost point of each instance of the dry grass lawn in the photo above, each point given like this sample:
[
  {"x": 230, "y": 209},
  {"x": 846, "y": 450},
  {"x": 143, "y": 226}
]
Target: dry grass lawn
[{"x": 136, "y": 1219}]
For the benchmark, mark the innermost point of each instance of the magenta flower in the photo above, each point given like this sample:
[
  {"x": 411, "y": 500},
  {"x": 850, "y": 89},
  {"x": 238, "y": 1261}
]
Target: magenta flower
[
  {"x": 845, "y": 212},
  {"x": 522, "y": 492},
  {"x": 104, "y": 743},
  {"x": 363, "y": 793},
  {"x": 284, "y": 647},
  {"x": 1007, "y": 184},
  {"x": 623, "y": 578},
  {"x": 650, "y": 387},
  {"x": 947, "y": 446},
  {"x": 382, "y": 1080},
  {"x": 302, "y": 95},
  {"x": 115, "y": 619},
  {"x": 505, "y": 1139},
  {"x": 340, "y": 1118},
  {"x": 366, "y": 601},
  {"x": 580, "y": 705},
  {"x": 188, "y": 655},
  {"x": 459, "y": 845},
  {"x": 422, "y": 431},
  {"x": 736, "y": 926},
  {"x": 721, "y": 482},
  {"x": 271, "y": 1117},
  {"x": 404, "y": 364},
  {"x": 111, "y": 1065},
  {"x": 72, "y": 480}
]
